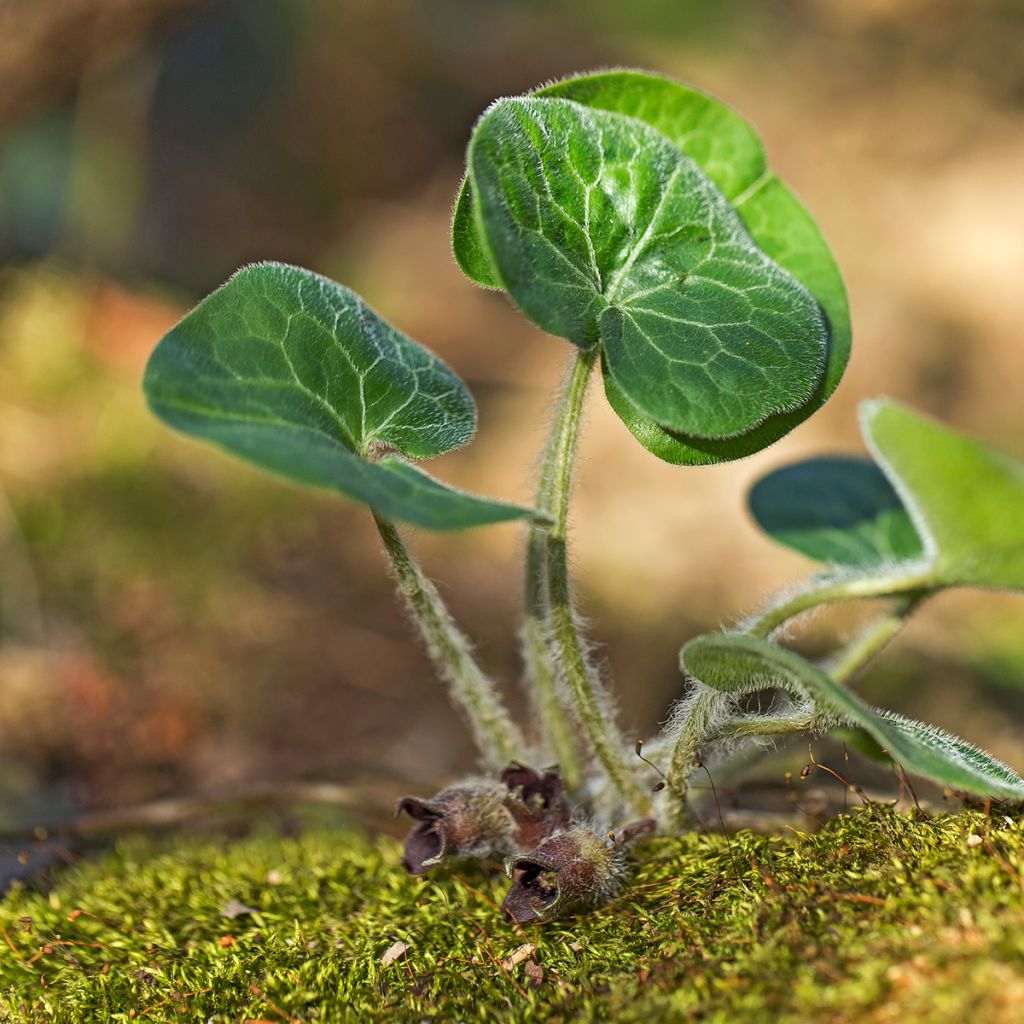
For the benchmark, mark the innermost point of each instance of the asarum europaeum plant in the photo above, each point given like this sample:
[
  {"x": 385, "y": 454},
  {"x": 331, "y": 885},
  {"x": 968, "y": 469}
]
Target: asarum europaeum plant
[{"x": 636, "y": 218}]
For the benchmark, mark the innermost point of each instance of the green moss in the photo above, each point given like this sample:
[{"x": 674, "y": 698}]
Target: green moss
[{"x": 879, "y": 917}]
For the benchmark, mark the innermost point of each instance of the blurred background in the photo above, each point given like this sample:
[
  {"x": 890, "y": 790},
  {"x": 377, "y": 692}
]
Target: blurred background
[{"x": 172, "y": 622}]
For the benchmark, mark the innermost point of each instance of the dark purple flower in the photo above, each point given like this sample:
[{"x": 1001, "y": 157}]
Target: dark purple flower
[
  {"x": 467, "y": 820},
  {"x": 537, "y": 803},
  {"x": 480, "y": 818},
  {"x": 574, "y": 869}
]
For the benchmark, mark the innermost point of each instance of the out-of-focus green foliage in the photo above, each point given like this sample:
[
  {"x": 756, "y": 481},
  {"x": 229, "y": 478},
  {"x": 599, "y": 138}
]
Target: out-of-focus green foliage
[
  {"x": 842, "y": 511},
  {"x": 965, "y": 497}
]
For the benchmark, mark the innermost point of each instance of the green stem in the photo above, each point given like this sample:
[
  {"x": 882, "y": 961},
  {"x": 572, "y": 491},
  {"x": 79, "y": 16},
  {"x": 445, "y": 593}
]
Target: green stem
[
  {"x": 841, "y": 668},
  {"x": 541, "y": 667},
  {"x": 842, "y": 590},
  {"x": 541, "y": 672},
  {"x": 497, "y": 738},
  {"x": 771, "y": 725},
  {"x": 851, "y": 659},
  {"x": 693, "y": 729},
  {"x": 588, "y": 700}
]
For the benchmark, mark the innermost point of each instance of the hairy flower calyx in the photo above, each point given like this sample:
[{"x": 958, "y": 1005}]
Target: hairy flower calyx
[
  {"x": 467, "y": 820},
  {"x": 481, "y": 818},
  {"x": 574, "y": 869}
]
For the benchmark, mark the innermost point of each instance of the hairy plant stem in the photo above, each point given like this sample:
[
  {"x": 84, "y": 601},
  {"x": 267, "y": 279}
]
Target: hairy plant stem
[
  {"x": 857, "y": 654},
  {"x": 798, "y": 719},
  {"x": 541, "y": 671},
  {"x": 842, "y": 667},
  {"x": 700, "y": 710},
  {"x": 555, "y": 619},
  {"x": 496, "y": 737},
  {"x": 829, "y": 593}
]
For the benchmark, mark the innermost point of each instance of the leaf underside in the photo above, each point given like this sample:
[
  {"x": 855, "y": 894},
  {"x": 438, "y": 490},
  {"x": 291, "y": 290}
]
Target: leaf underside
[
  {"x": 296, "y": 374},
  {"x": 842, "y": 511},
  {"x": 729, "y": 152},
  {"x": 601, "y": 230},
  {"x": 736, "y": 663}
]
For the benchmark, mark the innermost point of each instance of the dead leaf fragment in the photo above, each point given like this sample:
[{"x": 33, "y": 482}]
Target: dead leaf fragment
[
  {"x": 534, "y": 973},
  {"x": 236, "y": 908},
  {"x": 394, "y": 952},
  {"x": 974, "y": 840},
  {"x": 518, "y": 955}
]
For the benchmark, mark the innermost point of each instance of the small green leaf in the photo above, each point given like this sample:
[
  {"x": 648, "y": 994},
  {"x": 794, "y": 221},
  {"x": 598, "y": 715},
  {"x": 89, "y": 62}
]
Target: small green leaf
[
  {"x": 729, "y": 152},
  {"x": 736, "y": 663},
  {"x": 298, "y": 375},
  {"x": 965, "y": 498},
  {"x": 842, "y": 511},
  {"x": 600, "y": 229}
]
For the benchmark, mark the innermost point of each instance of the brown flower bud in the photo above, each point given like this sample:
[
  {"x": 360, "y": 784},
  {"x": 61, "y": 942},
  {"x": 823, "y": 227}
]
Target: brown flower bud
[
  {"x": 467, "y": 820},
  {"x": 575, "y": 869}
]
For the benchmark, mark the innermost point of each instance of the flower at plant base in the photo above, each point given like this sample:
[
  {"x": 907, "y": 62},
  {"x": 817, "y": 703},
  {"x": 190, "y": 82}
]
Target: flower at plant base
[
  {"x": 467, "y": 820},
  {"x": 480, "y": 818},
  {"x": 537, "y": 803},
  {"x": 574, "y": 869}
]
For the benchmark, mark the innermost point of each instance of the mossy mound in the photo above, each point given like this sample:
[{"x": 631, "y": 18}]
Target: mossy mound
[{"x": 879, "y": 917}]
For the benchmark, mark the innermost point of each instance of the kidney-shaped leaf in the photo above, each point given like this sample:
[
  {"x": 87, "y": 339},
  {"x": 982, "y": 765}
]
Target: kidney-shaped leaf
[
  {"x": 722, "y": 143},
  {"x": 600, "y": 229},
  {"x": 784, "y": 230},
  {"x": 729, "y": 152},
  {"x": 966, "y": 499},
  {"x": 735, "y": 663},
  {"x": 842, "y": 511},
  {"x": 297, "y": 374}
]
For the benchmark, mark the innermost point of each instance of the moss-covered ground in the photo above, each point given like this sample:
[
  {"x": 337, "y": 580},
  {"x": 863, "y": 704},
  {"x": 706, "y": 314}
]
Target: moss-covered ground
[{"x": 879, "y": 917}]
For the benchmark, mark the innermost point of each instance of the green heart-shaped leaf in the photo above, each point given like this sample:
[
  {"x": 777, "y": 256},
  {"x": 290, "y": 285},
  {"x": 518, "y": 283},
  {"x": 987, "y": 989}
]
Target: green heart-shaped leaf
[
  {"x": 736, "y": 663},
  {"x": 842, "y": 511},
  {"x": 297, "y": 374},
  {"x": 784, "y": 230},
  {"x": 722, "y": 143},
  {"x": 730, "y": 153},
  {"x": 965, "y": 498},
  {"x": 600, "y": 229}
]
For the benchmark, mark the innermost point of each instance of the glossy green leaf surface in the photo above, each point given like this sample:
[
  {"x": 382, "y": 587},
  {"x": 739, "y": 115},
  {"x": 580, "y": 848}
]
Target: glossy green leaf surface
[
  {"x": 965, "y": 498},
  {"x": 730, "y": 153},
  {"x": 600, "y": 229},
  {"x": 735, "y": 663},
  {"x": 296, "y": 374},
  {"x": 842, "y": 511}
]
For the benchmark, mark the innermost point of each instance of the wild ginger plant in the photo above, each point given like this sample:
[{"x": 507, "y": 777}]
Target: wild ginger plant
[{"x": 635, "y": 218}]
